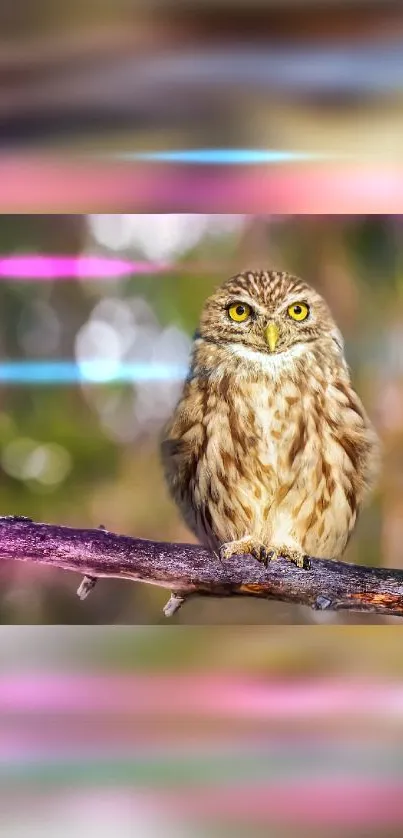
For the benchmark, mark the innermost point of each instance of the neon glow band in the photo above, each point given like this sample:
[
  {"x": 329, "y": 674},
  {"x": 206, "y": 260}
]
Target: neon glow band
[
  {"x": 97, "y": 372},
  {"x": 45, "y": 266}
]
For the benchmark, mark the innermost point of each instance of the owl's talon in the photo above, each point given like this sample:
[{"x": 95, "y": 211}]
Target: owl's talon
[
  {"x": 260, "y": 554},
  {"x": 300, "y": 560},
  {"x": 247, "y": 546},
  {"x": 244, "y": 547},
  {"x": 264, "y": 556}
]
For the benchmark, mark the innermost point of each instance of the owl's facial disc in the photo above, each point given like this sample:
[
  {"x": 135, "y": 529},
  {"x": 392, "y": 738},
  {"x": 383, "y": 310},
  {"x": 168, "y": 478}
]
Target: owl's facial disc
[{"x": 273, "y": 315}]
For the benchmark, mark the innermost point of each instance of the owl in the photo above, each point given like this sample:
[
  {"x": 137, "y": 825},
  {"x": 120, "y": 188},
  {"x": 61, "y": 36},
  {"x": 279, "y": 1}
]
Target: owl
[{"x": 269, "y": 451}]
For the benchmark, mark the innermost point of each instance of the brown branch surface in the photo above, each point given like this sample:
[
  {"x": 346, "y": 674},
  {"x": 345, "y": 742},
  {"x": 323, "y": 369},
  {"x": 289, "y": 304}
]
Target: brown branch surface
[{"x": 188, "y": 569}]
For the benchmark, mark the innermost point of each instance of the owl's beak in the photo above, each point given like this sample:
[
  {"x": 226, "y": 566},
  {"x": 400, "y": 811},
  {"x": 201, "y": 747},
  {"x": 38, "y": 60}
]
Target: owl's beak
[{"x": 272, "y": 335}]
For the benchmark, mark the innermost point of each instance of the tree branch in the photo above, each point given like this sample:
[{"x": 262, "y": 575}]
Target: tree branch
[{"x": 188, "y": 569}]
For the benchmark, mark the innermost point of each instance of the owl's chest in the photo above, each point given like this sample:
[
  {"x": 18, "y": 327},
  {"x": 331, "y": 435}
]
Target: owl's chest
[
  {"x": 265, "y": 462},
  {"x": 257, "y": 432},
  {"x": 245, "y": 460}
]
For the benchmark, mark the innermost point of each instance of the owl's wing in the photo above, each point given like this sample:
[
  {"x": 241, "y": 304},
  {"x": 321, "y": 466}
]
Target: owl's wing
[{"x": 172, "y": 448}]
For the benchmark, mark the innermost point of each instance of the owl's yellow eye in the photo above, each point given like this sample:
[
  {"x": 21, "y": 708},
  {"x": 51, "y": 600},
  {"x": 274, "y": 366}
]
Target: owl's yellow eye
[
  {"x": 298, "y": 311},
  {"x": 239, "y": 312}
]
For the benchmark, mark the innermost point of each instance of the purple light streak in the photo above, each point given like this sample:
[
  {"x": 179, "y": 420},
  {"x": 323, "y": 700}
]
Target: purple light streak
[{"x": 51, "y": 267}]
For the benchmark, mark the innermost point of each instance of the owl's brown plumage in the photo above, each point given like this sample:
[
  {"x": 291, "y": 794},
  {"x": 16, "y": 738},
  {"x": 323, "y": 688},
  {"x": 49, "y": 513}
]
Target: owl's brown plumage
[{"x": 269, "y": 448}]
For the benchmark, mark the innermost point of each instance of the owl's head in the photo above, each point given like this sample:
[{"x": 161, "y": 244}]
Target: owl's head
[{"x": 268, "y": 312}]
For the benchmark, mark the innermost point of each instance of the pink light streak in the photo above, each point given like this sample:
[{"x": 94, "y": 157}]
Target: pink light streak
[
  {"x": 56, "y": 183},
  {"x": 50, "y": 267},
  {"x": 203, "y": 695}
]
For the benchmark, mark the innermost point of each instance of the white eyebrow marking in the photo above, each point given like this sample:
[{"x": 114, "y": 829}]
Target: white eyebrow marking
[{"x": 273, "y": 364}]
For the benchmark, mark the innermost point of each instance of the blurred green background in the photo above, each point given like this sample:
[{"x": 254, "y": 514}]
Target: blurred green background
[{"x": 87, "y": 454}]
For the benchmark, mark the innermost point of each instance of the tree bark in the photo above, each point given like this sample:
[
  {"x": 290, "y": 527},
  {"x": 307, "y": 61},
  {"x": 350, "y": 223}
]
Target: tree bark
[{"x": 188, "y": 569}]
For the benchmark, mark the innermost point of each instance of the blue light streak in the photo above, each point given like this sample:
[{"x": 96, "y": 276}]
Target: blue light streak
[
  {"x": 92, "y": 372},
  {"x": 223, "y": 156}
]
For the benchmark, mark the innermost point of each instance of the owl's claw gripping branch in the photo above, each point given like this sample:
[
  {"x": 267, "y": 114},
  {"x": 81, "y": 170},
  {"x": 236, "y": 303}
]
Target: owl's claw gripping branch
[
  {"x": 250, "y": 547},
  {"x": 300, "y": 560},
  {"x": 186, "y": 570},
  {"x": 247, "y": 546}
]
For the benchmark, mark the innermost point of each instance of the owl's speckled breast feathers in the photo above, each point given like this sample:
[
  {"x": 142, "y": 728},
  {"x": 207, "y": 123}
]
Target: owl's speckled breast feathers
[{"x": 269, "y": 448}]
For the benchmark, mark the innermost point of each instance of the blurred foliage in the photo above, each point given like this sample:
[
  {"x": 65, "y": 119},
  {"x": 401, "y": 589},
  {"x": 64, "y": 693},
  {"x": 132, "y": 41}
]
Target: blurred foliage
[{"x": 115, "y": 478}]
